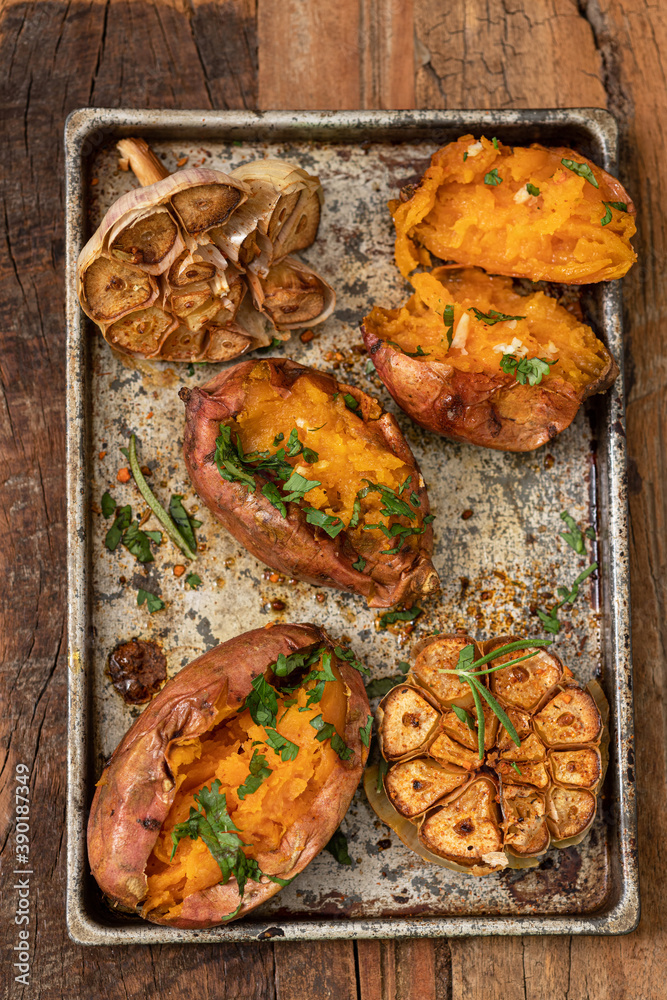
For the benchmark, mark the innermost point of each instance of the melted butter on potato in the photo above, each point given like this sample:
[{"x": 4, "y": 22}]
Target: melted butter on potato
[{"x": 263, "y": 817}]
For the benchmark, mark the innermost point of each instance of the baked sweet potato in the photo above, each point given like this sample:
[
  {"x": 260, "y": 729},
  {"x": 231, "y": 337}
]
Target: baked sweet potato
[
  {"x": 461, "y": 356},
  {"x": 538, "y": 213},
  {"x": 312, "y": 478},
  {"x": 477, "y": 798},
  {"x": 229, "y": 783}
]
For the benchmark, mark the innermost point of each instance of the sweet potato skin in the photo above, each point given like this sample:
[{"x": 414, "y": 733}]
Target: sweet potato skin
[
  {"x": 290, "y": 545},
  {"x": 136, "y": 790},
  {"x": 493, "y": 411}
]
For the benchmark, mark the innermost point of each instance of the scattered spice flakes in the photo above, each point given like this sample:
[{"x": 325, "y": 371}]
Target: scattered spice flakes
[
  {"x": 278, "y": 605},
  {"x": 124, "y": 475},
  {"x": 307, "y": 336},
  {"x": 179, "y": 570},
  {"x": 101, "y": 455},
  {"x": 466, "y": 515},
  {"x": 183, "y": 160},
  {"x": 94, "y": 181}
]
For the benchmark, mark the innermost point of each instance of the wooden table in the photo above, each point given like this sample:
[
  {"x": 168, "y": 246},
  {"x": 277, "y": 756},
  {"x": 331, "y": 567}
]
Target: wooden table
[{"x": 57, "y": 55}]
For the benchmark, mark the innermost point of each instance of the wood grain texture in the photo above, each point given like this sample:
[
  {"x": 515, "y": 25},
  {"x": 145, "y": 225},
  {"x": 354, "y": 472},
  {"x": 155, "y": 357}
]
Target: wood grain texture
[{"x": 58, "y": 55}]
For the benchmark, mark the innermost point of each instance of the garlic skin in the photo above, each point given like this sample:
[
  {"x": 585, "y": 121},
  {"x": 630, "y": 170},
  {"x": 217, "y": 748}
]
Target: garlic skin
[{"x": 194, "y": 266}]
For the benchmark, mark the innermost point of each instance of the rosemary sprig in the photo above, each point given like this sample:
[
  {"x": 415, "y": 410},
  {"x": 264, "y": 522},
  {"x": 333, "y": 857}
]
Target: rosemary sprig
[
  {"x": 154, "y": 503},
  {"x": 468, "y": 670}
]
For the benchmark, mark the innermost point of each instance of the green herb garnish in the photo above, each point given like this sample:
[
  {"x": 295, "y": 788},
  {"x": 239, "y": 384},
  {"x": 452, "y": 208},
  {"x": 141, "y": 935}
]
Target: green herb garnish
[
  {"x": 152, "y": 601},
  {"x": 259, "y": 771},
  {"x": 193, "y": 580},
  {"x": 262, "y": 702},
  {"x": 515, "y": 767},
  {"x": 549, "y": 618},
  {"x": 383, "y": 767},
  {"x": 381, "y": 686},
  {"x": 492, "y": 317},
  {"x": 391, "y": 617},
  {"x": 581, "y": 170},
  {"x": 359, "y": 565},
  {"x": 531, "y": 189},
  {"x": 468, "y": 669},
  {"x": 163, "y": 517},
  {"x": 349, "y": 657},
  {"x": 464, "y": 716},
  {"x": 108, "y": 504},
  {"x": 327, "y": 731},
  {"x": 338, "y": 847},
  {"x": 492, "y": 177},
  {"x": 119, "y": 526},
  {"x": 274, "y": 496},
  {"x": 495, "y": 142},
  {"x": 448, "y": 320},
  {"x": 138, "y": 543},
  {"x": 351, "y": 402},
  {"x": 211, "y": 822},
  {"x": 186, "y": 524},
  {"x": 331, "y": 525},
  {"x": 280, "y": 745},
  {"x": 529, "y": 370},
  {"x": 365, "y": 731},
  {"x": 573, "y": 537}
]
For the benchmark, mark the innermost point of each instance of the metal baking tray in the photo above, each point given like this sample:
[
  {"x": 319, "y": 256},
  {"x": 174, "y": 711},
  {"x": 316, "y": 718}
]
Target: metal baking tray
[{"x": 495, "y": 563}]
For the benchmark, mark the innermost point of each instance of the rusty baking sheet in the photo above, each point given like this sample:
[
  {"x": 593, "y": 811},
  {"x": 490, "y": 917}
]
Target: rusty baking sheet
[{"x": 497, "y": 521}]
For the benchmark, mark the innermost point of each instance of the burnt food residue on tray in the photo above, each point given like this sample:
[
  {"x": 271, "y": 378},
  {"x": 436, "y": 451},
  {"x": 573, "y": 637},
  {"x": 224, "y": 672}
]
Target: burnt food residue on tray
[{"x": 137, "y": 670}]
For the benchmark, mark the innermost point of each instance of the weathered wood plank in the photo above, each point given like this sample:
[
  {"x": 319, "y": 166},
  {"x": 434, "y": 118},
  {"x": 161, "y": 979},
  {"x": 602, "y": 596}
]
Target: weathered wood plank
[
  {"x": 335, "y": 54},
  {"x": 322, "y": 969}
]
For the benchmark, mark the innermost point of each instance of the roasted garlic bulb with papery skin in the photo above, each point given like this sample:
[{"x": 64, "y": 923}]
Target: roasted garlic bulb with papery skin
[
  {"x": 167, "y": 273},
  {"x": 532, "y": 786}
]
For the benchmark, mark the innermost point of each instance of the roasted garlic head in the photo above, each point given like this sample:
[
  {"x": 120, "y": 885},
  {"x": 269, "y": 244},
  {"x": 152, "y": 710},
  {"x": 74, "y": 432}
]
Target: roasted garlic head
[
  {"x": 478, "y": 797},
  {"x": 194, "y": 265}
]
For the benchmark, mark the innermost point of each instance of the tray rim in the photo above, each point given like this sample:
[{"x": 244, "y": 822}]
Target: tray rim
[{"x": 92, "y": 126}]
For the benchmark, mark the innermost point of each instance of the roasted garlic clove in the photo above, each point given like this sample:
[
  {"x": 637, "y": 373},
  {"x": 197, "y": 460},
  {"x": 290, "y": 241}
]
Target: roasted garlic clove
[
  {"x": 570, "y": 811},
  {"x": 524, "y": 773},
  {"x": 292, "y": 295},
  {"x": 467, "y": 828},
  {"x": 291, "y": 200},
  {"x": 205, "y": 206},
  {"x": 522, "y": 724},
  {"x": 571, "y": 717},
  {"x": 111, "y": 289},
  {"x": 442, "y": 653},
  {"x": 141, "y": 333},
  {"x": 407, "y": 722},
  {"x": 446, "y": 750},
  {"x": 582, "y": 768},
  {"x": 531, "y": 749},
  {"x": 414, "y": 785},
  {"x": 147, "y": 241},
  {"x": 526, "y": 684},
  {"x": 524, "y": 820}
]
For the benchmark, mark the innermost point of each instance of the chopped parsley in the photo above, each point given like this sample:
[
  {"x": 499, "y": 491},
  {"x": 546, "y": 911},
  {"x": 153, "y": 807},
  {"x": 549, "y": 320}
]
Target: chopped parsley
[
  {"x": 152, "y": 601},
  {"x": 448, "y": 320},
  {"x": 581, "y": 170},
  {"x": 211, "y": 822},
  {"x": 383, "y": 767},
  {"x": 495, "y": 142},
  {"x": 351, "y": 402},
  {"x": 120, "y": 524},
  {"x": 331, "y": 525},
  {"x": 193, "y": 581},
  {"x": 492, "y": 317},
  {"x": 337, "y": 846},
  {"x": 492, "y": 177},
  {"x": 464, "y": 716},
  {"x": 280, "y": 745},
  {"x": 549, "y": 618},
  {"x": 531, "y": 189},
  {"x": 525, "y": 370},
  {"x": 327, "y": 731},
  {"x": 259, "y": 771},
  {"x": 621, "y": 206},
  {"x": 108, "y": 505},
  {"x": 365, "y": 731},
  {"x": 301, "y": 658},
  {"x": 391, "y": 617},
  {"x": 359, "y": 565},
  {"x": 349, "y": 657}
]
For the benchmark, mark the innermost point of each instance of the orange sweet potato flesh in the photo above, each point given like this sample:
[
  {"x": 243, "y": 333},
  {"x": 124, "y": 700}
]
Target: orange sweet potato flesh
[
  {"x": 461, "y": 391},
  {"x": 262, "y": 399},
  {"x": 195, "y": 731},
  {"x": 556, "y": 235}
]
